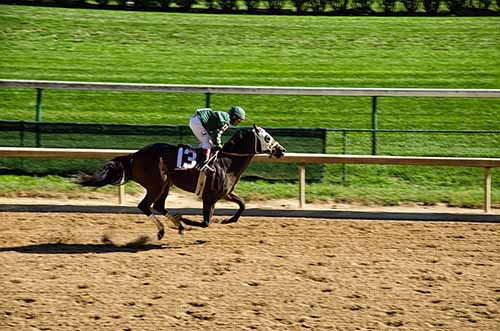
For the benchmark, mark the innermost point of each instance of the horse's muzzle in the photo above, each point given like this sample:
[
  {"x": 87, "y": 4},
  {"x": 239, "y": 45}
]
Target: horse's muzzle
[{"x": 278, "y": 151}]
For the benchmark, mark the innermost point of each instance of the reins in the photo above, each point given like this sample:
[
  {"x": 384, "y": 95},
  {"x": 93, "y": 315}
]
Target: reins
[{"x": 238, "y": 154}]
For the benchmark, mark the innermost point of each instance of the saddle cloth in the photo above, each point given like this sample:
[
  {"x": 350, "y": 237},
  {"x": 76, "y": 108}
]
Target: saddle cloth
[
  {"x": 186, "y": 160},
  {"x": 186, "y": 157}
]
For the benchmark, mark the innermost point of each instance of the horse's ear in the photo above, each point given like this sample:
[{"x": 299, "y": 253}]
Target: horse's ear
[{"x": 256, "y": 128}]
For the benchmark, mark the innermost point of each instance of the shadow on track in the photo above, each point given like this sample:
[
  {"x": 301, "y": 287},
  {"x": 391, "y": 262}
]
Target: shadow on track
[{"x": 61, "y": 248}]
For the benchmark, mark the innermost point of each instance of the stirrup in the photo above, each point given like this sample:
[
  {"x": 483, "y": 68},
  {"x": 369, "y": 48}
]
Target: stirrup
[{"x": 206, "y": 168}]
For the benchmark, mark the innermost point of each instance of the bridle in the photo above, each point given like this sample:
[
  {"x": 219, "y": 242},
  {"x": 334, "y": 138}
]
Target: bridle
[{"x": 256, "y": 141}]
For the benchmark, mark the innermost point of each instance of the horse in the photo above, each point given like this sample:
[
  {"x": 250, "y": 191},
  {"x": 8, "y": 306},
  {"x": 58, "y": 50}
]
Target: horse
[{"x": 156, "y": 168}]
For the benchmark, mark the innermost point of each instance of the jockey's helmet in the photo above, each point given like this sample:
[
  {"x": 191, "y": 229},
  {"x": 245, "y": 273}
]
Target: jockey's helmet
[{"x": 238, "y": 112}]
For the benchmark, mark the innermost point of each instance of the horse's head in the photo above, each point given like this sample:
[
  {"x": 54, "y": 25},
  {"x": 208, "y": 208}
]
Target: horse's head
[
  {"x": 254, "y": 141},
  {"x": 267, "y": 144}
]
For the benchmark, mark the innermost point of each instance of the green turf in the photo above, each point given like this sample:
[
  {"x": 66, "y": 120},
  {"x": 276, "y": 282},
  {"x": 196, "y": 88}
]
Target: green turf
[{"x": 143, "y": 47}]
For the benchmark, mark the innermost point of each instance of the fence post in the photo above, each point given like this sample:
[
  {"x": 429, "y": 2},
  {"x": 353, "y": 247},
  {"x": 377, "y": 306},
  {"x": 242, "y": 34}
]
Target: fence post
[
  {"x": 207, "y": 100},
  {"x": 344, "y": 151},
  {"x": 487, "y": 189},
  {"x": 374, "y": 125},
  {"x": 121, "y": 194},
  {"x": 38, "y": 115},
  {"x": 302, "y": 186},
  {"x": 21, "y": 134}
]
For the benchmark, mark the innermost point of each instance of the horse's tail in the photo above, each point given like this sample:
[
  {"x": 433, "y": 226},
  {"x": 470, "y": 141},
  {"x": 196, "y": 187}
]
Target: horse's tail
[{"x": 114, "y": 172}]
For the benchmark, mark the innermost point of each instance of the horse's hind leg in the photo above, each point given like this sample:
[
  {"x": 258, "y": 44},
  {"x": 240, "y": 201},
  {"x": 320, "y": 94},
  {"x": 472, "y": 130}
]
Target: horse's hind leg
[
  {"x": 144, "y": 206},
  {"x": 159, "y": 206}
]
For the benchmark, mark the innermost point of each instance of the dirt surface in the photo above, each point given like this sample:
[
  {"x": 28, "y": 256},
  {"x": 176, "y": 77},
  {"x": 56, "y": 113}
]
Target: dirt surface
[{"x": 107, "y": 272}]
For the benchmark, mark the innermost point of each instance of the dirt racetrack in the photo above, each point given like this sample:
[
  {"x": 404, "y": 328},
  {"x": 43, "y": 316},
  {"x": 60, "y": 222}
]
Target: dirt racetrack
[{"x": 105, "y": 272}]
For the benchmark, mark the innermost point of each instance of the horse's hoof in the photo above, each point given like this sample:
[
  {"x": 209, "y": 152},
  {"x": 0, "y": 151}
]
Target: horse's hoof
[
  {"x": 160, "y": 234},
  {"x": 228, "y": 221},
  {"x": 181, "y": 231}
]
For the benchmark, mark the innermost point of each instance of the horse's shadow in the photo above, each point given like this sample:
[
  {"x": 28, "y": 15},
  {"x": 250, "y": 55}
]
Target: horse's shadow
[{"x": 62, "y": 248}]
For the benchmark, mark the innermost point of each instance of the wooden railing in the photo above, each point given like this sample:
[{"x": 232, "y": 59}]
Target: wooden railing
[{"x": 299, "y": 158}]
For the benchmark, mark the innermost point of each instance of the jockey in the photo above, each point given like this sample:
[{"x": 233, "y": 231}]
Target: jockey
[{"x": 208, "y": 126}]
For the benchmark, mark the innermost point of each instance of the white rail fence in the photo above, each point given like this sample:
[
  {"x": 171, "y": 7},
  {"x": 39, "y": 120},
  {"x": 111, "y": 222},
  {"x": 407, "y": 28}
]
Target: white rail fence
[
  {"x": 299, "y": 158},
  {"x": 269, "y": 90}
]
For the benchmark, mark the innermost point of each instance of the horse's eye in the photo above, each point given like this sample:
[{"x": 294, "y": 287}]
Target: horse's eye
[{"x": 267, "y": 139}]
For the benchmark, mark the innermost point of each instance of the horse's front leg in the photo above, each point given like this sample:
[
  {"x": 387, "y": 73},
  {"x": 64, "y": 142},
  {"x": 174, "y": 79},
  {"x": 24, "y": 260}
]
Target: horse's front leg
[
  {"x": 208, "y": 211},
  {"x": 234, "y": 198}
]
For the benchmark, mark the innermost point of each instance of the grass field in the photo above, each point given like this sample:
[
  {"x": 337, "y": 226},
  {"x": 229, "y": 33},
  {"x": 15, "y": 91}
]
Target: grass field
[{"x": 142, "y": 47}]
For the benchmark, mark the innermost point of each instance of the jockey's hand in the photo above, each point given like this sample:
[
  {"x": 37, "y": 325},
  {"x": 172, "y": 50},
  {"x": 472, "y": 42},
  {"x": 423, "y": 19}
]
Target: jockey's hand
[{"x": 216, "y": 148}]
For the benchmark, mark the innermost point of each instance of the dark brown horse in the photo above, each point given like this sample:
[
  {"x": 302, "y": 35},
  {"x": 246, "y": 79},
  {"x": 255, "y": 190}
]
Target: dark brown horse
[{"x": 156, "y": 168}]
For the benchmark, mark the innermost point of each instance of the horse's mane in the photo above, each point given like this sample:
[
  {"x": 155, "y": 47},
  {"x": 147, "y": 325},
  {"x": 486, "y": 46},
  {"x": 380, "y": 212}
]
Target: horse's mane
[
  {"x": 240, "y": 133},
  {"x": 237, "y": 139}
]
